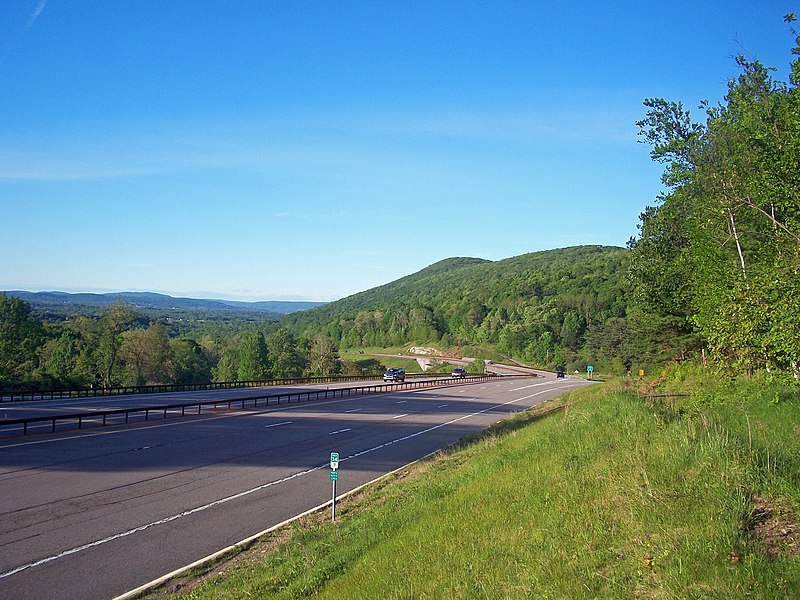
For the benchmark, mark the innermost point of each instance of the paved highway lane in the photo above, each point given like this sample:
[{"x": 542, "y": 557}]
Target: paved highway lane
[
  {"x": 36, "y": 408},
  {"x": 93, "y": 514}
]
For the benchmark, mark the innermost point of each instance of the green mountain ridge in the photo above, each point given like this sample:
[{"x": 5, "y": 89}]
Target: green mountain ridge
[{"x": 542, "y": 306}]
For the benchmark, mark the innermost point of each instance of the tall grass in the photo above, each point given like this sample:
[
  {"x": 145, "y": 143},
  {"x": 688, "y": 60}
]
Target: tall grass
[{"x": 610, "y": 497}]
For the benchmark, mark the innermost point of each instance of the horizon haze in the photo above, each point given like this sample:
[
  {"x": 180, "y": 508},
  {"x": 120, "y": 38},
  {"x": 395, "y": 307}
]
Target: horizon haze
[{"x": 308, "y": 151}]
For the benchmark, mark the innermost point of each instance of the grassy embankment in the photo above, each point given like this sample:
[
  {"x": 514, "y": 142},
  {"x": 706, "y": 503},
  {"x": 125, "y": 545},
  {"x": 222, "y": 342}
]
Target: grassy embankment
[
  {"x": 370, "y": 360},
  {"x": 613, "y": 496}
]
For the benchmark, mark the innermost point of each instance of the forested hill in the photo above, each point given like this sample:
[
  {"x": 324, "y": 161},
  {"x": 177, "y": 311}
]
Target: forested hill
[{"x": 565, "y": 306}]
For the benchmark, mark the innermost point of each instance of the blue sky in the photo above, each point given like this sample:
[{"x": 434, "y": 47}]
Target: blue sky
[{"x": 315, "y": 149}]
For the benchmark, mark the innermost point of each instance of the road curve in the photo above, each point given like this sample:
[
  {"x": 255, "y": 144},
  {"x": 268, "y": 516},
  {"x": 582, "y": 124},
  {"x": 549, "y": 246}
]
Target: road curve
[{"x": 95, "y": 513}]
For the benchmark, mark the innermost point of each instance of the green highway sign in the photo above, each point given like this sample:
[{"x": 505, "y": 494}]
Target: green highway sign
[
  {"x": 334, "y": 475},
  {"x": 590, "y": 368},
  {"x": 334, "y": 460}
]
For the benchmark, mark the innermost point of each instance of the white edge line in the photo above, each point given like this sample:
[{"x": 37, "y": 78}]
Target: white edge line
[
  {"x": 164, "y": 578},
  {"x": 156, "y": 582}
]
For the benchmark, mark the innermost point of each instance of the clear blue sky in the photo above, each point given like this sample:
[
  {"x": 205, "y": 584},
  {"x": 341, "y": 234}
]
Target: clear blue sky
[{"x": 314, "y": 149}]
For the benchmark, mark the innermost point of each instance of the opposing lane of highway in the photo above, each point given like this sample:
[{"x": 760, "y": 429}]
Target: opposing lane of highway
[
  {"x": 96, "y": 513},
  {"x": 35, "y": 408}
]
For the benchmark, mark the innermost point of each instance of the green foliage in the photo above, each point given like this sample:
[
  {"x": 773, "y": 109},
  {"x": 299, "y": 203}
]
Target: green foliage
[
  {"x": 533, "y": 306},
  {"x": 146, "y": 356},
  {"x": 323, "y": 358},
  {"x": 253, "y": 357},
  {"x": 190, "y": 363},
  {"x": 719, "y": 256},
  {"x": 227, "y": 368},
  {"x": 115, "y": 319},
  {"x": 20, "y": 337},
  {"x": 367, "y": 366},
  {"x": 63, "y": 357},
  {"x": 286, "y": 360},
  {"x": 623, "y": 500}
]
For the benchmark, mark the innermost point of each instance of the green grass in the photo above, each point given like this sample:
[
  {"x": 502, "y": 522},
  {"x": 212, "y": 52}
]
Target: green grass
[
  {"x": 412, "y": 366},
  {"x": 366, "y": 361},
  {"x": 613, "y": 497}
]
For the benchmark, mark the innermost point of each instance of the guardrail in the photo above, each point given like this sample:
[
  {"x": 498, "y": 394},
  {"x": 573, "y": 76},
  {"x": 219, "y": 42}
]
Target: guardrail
[
  {"x": 52, "y": 394},
  {"x": 119, "y": 416}
]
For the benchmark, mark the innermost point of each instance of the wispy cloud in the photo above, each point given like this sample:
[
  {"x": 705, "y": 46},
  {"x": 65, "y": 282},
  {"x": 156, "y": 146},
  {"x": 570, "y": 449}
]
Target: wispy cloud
[
  {"x": 35, "y": 14},
  {"x": 11, "y": 43}
]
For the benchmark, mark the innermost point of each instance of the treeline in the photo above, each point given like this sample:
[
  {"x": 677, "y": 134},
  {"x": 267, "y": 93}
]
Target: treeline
[
  {"x": 715, "y": 271},
  {"x": 564, "y": 307},
  {"x": 124, "y": 347},
  {"x": 714, "y": 275}
]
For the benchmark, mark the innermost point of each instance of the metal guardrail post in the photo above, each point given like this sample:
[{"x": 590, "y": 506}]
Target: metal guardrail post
[{"x": 316, "y": 394}]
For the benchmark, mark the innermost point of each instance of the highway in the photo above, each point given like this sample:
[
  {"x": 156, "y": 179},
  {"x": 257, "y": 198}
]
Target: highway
[
  {"x": 35, "y": 408},
  {"x": 94, "y": 513}
]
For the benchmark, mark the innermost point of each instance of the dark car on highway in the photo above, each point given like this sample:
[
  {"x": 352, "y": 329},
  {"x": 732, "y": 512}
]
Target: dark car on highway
[{"x": 395, "y": 374}]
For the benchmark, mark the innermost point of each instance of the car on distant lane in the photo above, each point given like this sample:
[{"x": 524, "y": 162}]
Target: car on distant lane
[
  {"x": 395, "y": 374},
  {"x": 459, "y": 373}
]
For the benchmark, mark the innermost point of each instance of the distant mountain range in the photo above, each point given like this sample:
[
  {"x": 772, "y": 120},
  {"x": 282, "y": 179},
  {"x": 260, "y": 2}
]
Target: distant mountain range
[{"x": 59, "y": 301}]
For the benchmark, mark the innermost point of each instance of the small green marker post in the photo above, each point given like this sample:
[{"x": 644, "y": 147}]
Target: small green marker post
[{"x": 334, "y": 479}]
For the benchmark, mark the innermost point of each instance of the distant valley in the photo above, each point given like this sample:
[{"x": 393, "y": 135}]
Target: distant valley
[{"x": 85, "y": 303}]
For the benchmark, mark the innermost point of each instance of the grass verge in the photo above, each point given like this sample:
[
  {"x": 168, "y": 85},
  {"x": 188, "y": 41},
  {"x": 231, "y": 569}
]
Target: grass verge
[{"x": 613, "y": 496}]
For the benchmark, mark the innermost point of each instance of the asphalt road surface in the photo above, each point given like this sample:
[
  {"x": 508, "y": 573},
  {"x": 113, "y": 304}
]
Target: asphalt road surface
[
  {"x": 95, "y": 513},
  {"x": 37, "y": 408}
]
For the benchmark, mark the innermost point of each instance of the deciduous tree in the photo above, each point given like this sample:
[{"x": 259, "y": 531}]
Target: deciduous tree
[
  {"x": 21, "y": 336},
  {"x": 323, "y": 357},
  {"x": 253, "y": 357}
]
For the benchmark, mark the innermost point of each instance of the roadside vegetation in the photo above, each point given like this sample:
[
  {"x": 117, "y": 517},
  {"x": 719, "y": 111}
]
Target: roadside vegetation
[
  {"x": 684, "y": 486},
  {"x": 603, "y": 493}
]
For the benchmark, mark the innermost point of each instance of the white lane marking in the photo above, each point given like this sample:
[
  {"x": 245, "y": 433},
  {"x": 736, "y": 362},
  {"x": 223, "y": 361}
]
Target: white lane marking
[
  {"x": 144, "y": 587},
  {"x": 258, "y": 488},
  {"x": 352, "y": 410},
  {"x": 185, "y": 513},
  {"x": 439, "y": 426},
  {"x": 400, "y": 416},
  {"x": 401, "y": 401},
  {"x": 338, "y": 431},
  {"x": 442, "y": 405},
  {"x": 525, "y": 387},
  {"x": 277, "y": 424}
]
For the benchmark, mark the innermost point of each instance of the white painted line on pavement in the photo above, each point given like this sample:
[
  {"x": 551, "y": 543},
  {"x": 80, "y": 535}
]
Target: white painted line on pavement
[
  {"x": 156, "y": 582},
  {"x": 258, "y": 488},
  {"x": 278, "y": 424},
  {"x": 180, "y": 515},
  {"x": 525, "y": 387}
]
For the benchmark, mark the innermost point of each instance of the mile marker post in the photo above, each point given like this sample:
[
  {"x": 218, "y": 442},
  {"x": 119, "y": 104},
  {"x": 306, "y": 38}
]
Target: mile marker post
[{"x": 334, "y": 479}]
